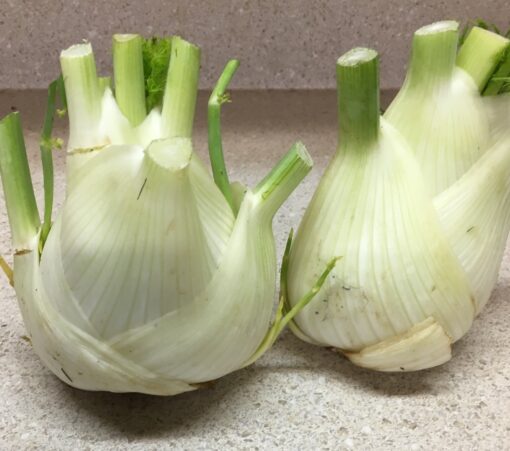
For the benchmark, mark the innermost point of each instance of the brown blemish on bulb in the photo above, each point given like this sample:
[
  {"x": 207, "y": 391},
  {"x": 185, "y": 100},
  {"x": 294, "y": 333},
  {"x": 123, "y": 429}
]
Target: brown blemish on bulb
[
  {"x": 22, "y": 252},
  {"x": 82, "y": 150}
]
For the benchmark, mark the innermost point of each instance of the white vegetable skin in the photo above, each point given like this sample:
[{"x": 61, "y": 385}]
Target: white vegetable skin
[
  {"x": 74, "y": 356},
  {"x": 447, "y": 129},
  {"x": 475, "y": 214}
]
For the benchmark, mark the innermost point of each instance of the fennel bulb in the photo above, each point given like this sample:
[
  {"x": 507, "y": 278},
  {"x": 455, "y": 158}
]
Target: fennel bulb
[
  {"x": 440, "y": 110},
  {"x": 413, "y": 271},
  {"x": 151, "y": 279}
]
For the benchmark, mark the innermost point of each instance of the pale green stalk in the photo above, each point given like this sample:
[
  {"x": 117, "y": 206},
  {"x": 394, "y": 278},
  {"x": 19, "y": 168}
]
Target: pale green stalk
[
  {"x": 129, "y": 77},
  {"x": 358, "y": 98},
  {"x": 181, "y": 89},
  {"x": 433, "y": 55},
  {"x": 480, "y": 55},
  {"x": 83, "y": 93},
  {"x": 277, "y": 186}
]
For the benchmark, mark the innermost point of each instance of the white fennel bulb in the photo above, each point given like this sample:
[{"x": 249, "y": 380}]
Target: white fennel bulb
[
  {"x": 413, "y": 271},
  {"x": 151, "y": 278}
]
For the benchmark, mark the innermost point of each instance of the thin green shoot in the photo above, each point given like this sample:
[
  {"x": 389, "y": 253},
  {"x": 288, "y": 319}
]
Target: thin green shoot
[
  {"x": 47, "y": 144},
  {"x": 217, "y": 99},
  {"x": 7, "y": 271},
  {"x": 500, "y": 81},
  {"x": 285, "y": 315}
]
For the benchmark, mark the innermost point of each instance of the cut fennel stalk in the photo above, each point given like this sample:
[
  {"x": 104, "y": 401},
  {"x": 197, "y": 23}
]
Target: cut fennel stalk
[
  {"x": 149, "y": 279},
  {"x": 440, "y": 110},
  {"x": 412, "y": 272}
]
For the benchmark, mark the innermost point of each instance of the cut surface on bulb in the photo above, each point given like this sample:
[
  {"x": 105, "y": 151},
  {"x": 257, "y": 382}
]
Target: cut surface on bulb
[{"x": 424, "y": 345}]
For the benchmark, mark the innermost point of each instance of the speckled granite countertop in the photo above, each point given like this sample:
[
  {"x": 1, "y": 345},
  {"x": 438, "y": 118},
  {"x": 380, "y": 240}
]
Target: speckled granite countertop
[
  {"x": 297, "y": 396},
  {"x": 282, "y": 45}
]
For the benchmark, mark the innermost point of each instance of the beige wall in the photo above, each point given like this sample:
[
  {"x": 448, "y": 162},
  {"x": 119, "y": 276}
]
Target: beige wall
[{"x": 281, "y": 44}]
